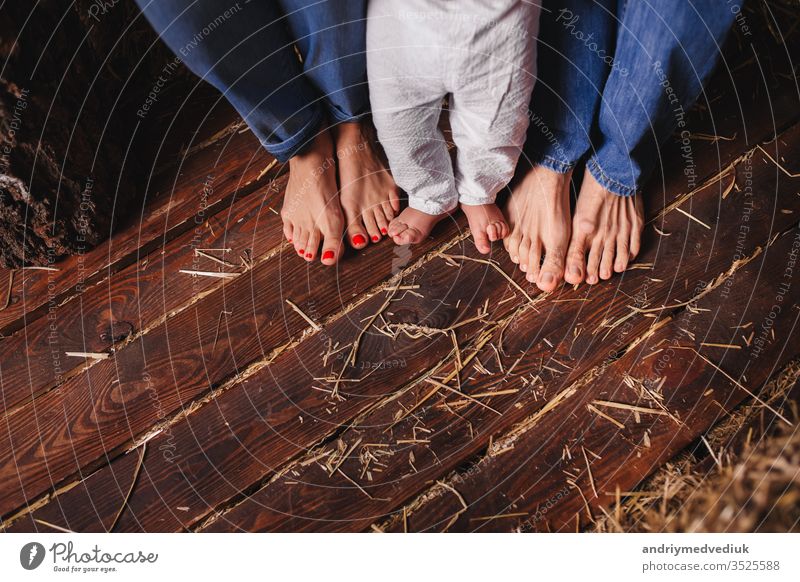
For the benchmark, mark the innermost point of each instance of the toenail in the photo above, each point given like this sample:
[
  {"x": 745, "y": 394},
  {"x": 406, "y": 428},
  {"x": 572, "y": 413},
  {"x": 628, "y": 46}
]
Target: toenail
[
  {"x": 327, "y": 255},
  {"x": 547, "y": 277},
  {"x": 574, "y": 270},
  {"x": 309, "y": 255},
  {"x": 359, "y": 240},
  {"x": 375, "y": 238},
  {"x": 383, "y": 231},
  {"x": 300, "y": 251}
]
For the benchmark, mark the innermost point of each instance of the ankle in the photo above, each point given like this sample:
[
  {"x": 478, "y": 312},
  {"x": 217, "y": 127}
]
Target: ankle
[{"x": 317, "y": 153}]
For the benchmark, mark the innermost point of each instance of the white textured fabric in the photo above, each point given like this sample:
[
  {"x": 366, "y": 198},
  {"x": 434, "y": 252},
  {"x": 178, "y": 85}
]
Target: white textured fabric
[{"x": 479, "y": 52}]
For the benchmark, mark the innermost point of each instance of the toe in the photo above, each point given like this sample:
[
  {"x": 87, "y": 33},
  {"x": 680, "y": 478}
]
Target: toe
[
  {"x": 396, "y": 227},
  {"x": 511, "y": 244},
  {"x": 576, "y": 259},
  {"x": 373, "y": 230},
  {"x": 607, "y": 260},
  {"x": 299, "y": 241},
  {"x": 534, "y": 261},
  {"x": 312, "y": 246},
  {"x": 622, "y": 253},
  {"x": 391, "y": 209},
  {"x": 491, "y": 232},
  {"x": 593, "y": 265},
  {"x": 382, "y": 221},
  {"x": 355, "y": 228},
  {"x": 552, "y": 270},
  {"x": 481, "y": 241},
  {"x": 524, "y": 250},
  {"x": 288, "y": 230},
  {"x": 331, "y": 241}
]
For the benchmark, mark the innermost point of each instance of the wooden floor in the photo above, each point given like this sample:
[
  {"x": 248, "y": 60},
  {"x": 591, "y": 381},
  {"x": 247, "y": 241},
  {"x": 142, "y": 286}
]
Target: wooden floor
[{"x": 193, "y": 374}]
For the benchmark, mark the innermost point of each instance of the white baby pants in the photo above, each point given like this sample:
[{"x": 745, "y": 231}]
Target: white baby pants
[{"x": 479, "y": 52}]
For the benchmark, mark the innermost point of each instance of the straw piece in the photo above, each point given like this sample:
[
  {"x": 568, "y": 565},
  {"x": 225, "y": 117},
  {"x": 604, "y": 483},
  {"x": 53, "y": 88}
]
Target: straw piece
[
  {"x": 92, "y": 355},
  {"x": 130, "y": 489},
  {"x": 300, "y": 312},
  {"x": 216, "y": 274}
]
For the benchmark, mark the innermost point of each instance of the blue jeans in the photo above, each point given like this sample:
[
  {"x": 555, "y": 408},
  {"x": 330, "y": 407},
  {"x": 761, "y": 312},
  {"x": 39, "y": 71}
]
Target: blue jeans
[
  {"x": 247, "y": 51},
  {"x": 616, "y": 78}
]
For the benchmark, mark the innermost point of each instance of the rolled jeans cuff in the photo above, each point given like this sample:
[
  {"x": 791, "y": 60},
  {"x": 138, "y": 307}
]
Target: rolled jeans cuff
[
  {"x": 286, "y": 149},
  {"x": 551, "y": 163},
  {"x": 612, "y": 185}
]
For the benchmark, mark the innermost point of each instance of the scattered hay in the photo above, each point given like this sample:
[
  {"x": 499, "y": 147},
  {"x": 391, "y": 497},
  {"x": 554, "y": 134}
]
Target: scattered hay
[{"x": 749, "y": 481}]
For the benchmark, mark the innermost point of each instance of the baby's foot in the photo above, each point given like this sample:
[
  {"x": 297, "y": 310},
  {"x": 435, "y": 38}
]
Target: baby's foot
[
  {"x": 487, "y": 224},
  {"x": 412, "y": 226},
  {"x": 368, "y": 192},
  {"x": 606, "y": 226},
  {"x": 538, "y": 212},
  {"x": 311, "y": 213}
]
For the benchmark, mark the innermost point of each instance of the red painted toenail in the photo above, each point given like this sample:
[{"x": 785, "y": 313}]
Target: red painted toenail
[
  {"x": 383, "y": 231},
  {"x": 376, "y": 238},
  {"x": 288, "y": 239},
  {"x": 327, "y": 255},
  {"x": 359, "y": 240},
  {"x": 309, "y": 255},
  {"x": 300, "y": 252}
]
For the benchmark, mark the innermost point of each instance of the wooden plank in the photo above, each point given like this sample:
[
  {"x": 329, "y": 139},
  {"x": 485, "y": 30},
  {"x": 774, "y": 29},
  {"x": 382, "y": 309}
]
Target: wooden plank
[
  {"x": 214, "y": 470},
  {"x": 547, "y": 350},
  {"x": 282, "y": 410},
  {"x": 199, "y": 186},
  {"x": 118, "y": 309},
  {"x": 526, "y": 472},
  {"x": 156, "y": 375}
]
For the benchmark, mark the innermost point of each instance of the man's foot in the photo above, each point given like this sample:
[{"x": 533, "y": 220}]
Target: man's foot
[
  {"x": 487, "y": 224},
  {"x": 368, "y": 192},
  {"x": 413, "y": 226},
  {"x": 606, "y": 226},
  {"x": 311, "y": 213},
  {"x": 538, "y": 213}
]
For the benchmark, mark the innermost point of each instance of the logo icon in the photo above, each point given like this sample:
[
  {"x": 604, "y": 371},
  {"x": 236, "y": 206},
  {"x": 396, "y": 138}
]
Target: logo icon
[{"x": 31, "y": 555}]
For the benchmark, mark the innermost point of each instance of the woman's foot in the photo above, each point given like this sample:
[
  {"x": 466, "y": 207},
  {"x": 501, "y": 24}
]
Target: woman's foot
[
  {"x": 311, "y": 213},
  {"x": 606, "y": 226},
  {"x": 413, "y": 226},
  {"x": 487, "y": 224},
  {"x": 538, "y": 213},
  {"x": 368, "y": 192}
]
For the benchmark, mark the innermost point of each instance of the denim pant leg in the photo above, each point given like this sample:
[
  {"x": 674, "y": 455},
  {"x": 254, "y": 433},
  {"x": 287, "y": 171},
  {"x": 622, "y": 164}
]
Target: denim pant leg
[
  {"x": 245, "y": 51},
  {"x": 575, "y": 48},
  {"x": 331, "y": 36},
  {"x": 665, "y": 51}
]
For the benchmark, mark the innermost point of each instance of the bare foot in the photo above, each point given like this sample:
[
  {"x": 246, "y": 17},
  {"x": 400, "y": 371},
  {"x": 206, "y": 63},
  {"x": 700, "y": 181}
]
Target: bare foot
[
  {"x": 311, "y": 213},
  {"x": 413, "y": 226},
  {"x": 487, "y": 224},
  {"x": 538, "y": 212},
  {"x": 608, "y": 227},
  {"x": 368, "y": 192}
]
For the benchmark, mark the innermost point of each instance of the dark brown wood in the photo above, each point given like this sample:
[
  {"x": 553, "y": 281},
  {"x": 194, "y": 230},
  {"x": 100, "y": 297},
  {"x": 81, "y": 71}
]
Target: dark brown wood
[
  {"x": 223, "y": 466},
  {"x": 531, "y": 477},
  {"x": 150, "y": 379},
  {"x": 559, "y": 343},
  {"x": 199, "y": 186},
  {"x": 113, "y": 312}
]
